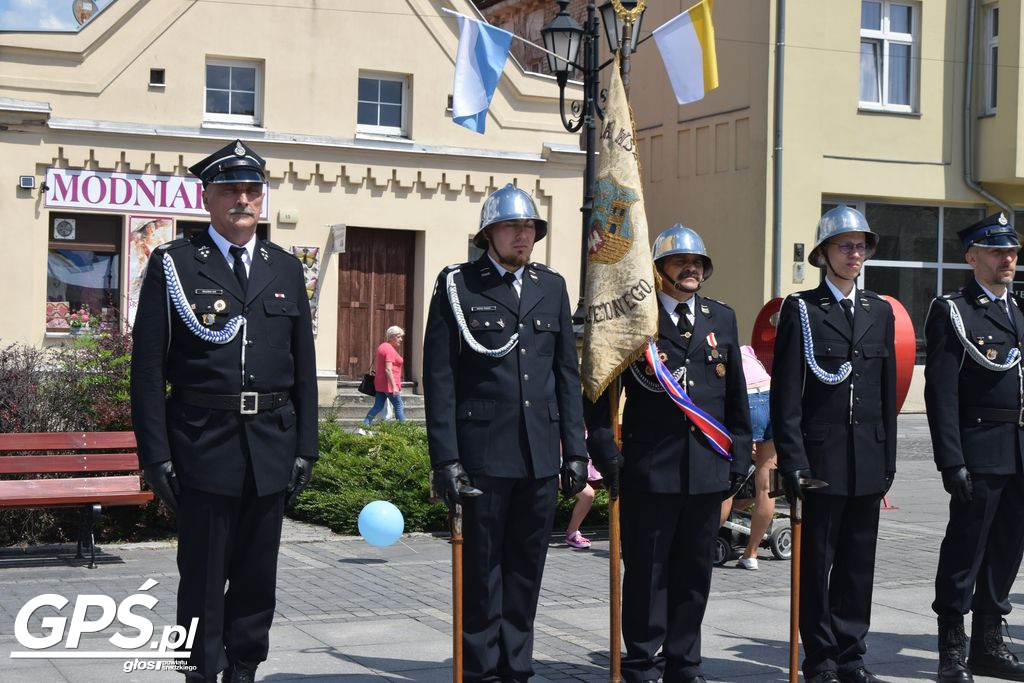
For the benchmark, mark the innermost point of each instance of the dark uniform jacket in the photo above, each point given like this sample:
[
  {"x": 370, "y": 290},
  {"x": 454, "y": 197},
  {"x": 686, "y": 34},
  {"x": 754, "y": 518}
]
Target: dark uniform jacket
[
  {"x": 962, "y": 397},
  {"x": 663, "y": 451},
  {"x": 812, "y": 420},
  {"x": 502, "y": 417},
  {"x": 207, "y": 446}
]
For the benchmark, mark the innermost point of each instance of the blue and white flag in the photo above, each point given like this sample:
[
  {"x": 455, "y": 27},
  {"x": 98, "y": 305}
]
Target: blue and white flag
[{"x": 483, "y": 51}]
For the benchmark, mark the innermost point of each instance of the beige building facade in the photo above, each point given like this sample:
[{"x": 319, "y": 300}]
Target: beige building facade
[
  {"x": 369, "y": 180},
  {"x": 873, "y": 115}
]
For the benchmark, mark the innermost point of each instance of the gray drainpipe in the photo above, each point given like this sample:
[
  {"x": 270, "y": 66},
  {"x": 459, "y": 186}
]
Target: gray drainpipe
[
  {"x": 969, "y": 117},
  {"x": 780, "y": 58}
]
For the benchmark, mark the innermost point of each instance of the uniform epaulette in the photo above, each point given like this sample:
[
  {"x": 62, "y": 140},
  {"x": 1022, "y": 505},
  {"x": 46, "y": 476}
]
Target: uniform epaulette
[
  {"x": 173, "y": 244},
  {"x": 795, "y": 295},
  {"x": 871, "y": 295},
  {"x": 720, "y": 303},
  {"x": 544, "y": 268}
]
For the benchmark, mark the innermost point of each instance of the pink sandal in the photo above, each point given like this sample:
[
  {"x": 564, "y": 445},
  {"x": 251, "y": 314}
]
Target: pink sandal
[{"x": 577, "y": 540}]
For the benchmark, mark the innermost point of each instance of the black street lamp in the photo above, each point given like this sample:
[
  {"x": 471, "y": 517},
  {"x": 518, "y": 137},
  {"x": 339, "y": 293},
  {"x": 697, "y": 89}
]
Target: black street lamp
[{"x": 563, "y": 36}]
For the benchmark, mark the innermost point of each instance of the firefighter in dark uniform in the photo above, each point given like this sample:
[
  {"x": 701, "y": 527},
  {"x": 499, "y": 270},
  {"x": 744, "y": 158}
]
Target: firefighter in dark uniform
[
  {"x": 973, "y": 396},
  {"x": 502, "y": 392},
  {"x": 834, "y": 419},
  {"x": 224, "y": 320},
  {"x": 672, "y": 481}
]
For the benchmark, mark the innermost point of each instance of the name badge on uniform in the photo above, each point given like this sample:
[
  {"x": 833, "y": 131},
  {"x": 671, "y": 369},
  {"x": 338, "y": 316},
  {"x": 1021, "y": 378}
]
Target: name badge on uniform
[{"x": 214, "y": 292}]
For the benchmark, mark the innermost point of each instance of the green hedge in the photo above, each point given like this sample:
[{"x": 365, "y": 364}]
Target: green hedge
[{"x": 391, "y": 465}]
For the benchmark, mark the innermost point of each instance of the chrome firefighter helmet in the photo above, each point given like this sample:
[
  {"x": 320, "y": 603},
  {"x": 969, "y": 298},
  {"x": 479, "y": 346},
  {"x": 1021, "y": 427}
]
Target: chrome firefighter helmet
[
  {"x": 509, "y": 204},
  {"x": 680, "y": 239},
  {"x": 837, "y": 221}
]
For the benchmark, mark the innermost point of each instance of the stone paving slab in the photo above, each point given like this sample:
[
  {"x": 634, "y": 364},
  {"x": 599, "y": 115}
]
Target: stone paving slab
[{"x": 353, "y": 613}]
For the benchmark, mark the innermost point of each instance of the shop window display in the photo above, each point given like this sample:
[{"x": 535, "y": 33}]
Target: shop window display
[{"x": 83, "y": 283}]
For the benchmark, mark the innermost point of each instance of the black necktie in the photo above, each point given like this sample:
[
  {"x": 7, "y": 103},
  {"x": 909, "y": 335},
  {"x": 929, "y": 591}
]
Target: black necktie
[
  {"x": 848, "y": 310},
  {"x": 239, "y": 267},
  {"x": 510, "y": 280},
  {"x": 684, "y": 325},
  {"x": 1002, "y": 307}
]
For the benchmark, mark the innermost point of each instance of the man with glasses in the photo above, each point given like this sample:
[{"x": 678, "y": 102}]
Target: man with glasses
[
  {"x": 224, "y": 320},
  {"x": 834, "y": 418},
  {"x": 973, "y": 396}
]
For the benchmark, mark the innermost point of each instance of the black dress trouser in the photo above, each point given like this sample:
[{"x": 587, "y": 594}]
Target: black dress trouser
[
  {"x": 668, "y": 545},
  {"x": 837, "y": 569},
  {"x": 506, "y": 531},
  {"x": 228, "y": 540},
  {"x": 982, "y": 549}
]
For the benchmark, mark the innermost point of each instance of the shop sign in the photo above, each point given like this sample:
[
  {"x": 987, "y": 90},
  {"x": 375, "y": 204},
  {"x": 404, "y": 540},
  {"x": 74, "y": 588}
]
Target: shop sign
[{"x": 122, "y": 192}]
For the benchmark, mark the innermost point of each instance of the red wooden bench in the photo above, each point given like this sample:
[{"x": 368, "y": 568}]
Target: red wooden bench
[{"x": 71, "y": 453}]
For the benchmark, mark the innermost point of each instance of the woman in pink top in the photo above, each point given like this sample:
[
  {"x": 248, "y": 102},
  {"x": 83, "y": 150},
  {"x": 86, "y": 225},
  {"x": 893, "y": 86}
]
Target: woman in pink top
[
  {"x": 758, "y": 388},
  {"x": 388, "y": 380}
]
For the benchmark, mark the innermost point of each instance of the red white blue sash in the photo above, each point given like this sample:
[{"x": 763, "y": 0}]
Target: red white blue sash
[{"x": 716, "y": 433}]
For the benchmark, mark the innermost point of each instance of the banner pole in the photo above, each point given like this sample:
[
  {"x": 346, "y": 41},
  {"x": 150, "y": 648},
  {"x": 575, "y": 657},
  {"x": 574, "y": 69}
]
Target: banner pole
[{"x": 615, "y": 547}]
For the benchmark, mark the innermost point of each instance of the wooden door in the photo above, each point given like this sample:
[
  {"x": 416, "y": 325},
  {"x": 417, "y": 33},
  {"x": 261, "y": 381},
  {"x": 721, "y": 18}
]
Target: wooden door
[{"x": 375, "y": 282}]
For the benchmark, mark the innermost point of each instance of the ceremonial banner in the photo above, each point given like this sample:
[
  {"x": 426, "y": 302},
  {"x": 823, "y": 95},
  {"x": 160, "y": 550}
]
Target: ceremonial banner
[{"x": 621, "y": 288}]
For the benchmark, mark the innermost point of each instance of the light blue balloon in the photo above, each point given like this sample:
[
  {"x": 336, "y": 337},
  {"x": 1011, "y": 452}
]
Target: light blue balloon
[{"x": 381, "y": 523}]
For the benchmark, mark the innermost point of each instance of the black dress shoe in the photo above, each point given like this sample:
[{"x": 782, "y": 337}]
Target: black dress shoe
[
  {"x": 859, "y": 675},
  {"x": 239, "y": 672},
  {"x": 824, "y": 677},
  {"x": 699, "y": 678}
]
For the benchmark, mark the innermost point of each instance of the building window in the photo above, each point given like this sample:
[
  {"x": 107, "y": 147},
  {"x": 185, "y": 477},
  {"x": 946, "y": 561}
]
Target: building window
[
  {"x": 233, "y": 92},
  {"x": 919, "y": 255},
  {"x": 991, "y": 57},
  {"x": 382, "y": 108},
  {"x": 83, "y": 273},
  {"x": 888, "y": 55}
]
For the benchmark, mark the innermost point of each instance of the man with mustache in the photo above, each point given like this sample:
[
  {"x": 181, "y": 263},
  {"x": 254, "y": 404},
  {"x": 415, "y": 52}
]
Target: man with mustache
[
  {"x": 224, "y": 320},
  {"x": 502, "y": 395},
  {"x": 672, "y": 480},
  {"x": 834, "y": 419},
  {"x": 973, "y": 395}
]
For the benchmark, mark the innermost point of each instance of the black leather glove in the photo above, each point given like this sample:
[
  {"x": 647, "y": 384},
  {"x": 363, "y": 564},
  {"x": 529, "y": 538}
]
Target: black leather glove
[
  {"x": 889, "y": 477},
  {"x": 791, "y": 483},
  {"x": 164, "y": 482},
  {"x": 574, "y": 476},
  {"x": 302, "y": 474},
  {"x": 450, "y": 482},
  {"x": 736, "y": 482},
  {"x": 957, "y": 482},
  {"x": 608, "y": 461}
]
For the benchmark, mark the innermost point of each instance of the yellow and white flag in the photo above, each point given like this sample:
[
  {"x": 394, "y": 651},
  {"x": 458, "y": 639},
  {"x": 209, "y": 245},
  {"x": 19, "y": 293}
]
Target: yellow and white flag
[
  {"x": 621, "y": 287},
  {"x": 687, "y": 46}
]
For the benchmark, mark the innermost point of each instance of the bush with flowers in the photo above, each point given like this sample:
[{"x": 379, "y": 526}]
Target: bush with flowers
[{"x": 82, "y": 319}]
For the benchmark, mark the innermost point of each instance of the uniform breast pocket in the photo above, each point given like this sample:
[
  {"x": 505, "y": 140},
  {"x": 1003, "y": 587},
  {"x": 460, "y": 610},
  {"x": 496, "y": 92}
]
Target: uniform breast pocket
[
  {"x": 831, "y": 353},
  {"x": 716, "y": 363},
  {"x": 874, "y": 354},
  {"x": 213, "y": 312},
  {"x": 545, "y": 328},
  {"x": 281, "y": 316},
  {"x": 488, "y": 325}
]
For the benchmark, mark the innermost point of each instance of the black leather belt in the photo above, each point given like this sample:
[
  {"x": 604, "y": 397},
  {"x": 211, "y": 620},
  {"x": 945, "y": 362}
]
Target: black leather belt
[
  {"x": 246, "y": 403},
  {"x": 989, "y": 414}
]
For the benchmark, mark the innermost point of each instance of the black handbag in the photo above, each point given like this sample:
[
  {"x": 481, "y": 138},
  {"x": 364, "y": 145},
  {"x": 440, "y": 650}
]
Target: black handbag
[{"x": 366, "y": 385}]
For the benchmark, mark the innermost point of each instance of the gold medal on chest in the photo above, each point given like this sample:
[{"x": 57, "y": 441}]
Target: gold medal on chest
[
  {"x": 991, "y": 354},
  {"x": 663, "y": 356},
  {"x": 720, "y": 370},
  {"x": 209, "y": 318}
]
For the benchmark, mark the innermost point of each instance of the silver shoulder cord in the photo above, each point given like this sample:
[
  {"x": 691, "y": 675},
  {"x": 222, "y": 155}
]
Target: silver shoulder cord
[
  {"x": 819, "y": 372},
  {"x": 460, "y": 320},
  {"x": 1012, "y": 358},
  {"x": 176, "y": 297},
  {"x": 636, "y": 367}
]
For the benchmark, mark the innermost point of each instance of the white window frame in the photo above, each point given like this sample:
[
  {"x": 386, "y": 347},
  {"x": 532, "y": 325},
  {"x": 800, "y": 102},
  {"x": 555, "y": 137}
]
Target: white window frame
[
  {"x": 401, "y": 131},
  {"x": 991, "y": 65},
  {"x": 885, "y": 37},
  {"x": 236, "y": 119}
]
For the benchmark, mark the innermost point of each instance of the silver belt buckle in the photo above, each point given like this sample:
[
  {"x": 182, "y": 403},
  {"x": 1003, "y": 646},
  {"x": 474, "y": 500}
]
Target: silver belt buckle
[{"x": 249, "y": 403}]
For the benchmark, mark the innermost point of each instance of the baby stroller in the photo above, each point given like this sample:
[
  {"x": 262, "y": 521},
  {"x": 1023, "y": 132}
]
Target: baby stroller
[{"x": 732, "y": 537}]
